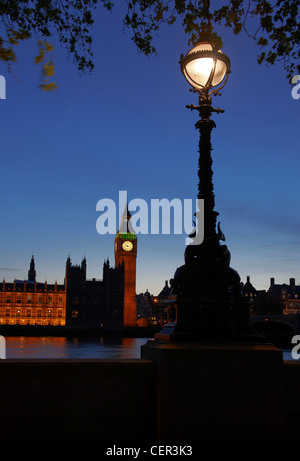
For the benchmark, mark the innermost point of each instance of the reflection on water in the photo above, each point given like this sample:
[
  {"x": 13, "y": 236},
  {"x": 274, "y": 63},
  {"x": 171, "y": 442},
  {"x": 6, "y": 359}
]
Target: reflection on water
[{"x": 23, "y": 347}]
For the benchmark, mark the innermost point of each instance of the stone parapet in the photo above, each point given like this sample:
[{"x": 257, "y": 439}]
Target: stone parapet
[{"x": 176, "y": 392}]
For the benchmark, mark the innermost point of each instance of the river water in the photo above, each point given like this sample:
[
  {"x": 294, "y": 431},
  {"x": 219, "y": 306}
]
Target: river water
[{"x": 24, "y": 347}]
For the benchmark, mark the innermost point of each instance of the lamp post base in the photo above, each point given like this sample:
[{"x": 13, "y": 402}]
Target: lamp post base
[
  {"x": 225, "y": 391},
  {"x": 212, "y": 325},
  {"x": 209, "y": 301}
]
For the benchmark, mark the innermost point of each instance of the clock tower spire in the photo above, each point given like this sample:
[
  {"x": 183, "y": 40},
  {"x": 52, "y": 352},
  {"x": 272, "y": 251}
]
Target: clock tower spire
[{"x": 125, "y": 253}]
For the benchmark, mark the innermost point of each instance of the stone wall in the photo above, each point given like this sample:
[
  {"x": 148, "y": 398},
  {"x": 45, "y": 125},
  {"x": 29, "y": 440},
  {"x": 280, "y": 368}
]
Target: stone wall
[
  {"x": 77, "y": 400},
  {"x": 121, "y": 401},
  {"x": 291, "y": 397}
]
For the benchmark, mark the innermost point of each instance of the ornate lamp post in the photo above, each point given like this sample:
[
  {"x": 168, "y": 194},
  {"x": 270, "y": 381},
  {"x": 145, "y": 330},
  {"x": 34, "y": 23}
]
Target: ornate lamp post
[
  {"x": 209, "y": 302},
  {"x": 212, "y": 316}
]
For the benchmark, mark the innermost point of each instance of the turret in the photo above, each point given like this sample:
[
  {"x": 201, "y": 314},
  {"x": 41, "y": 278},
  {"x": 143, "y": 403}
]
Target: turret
[{"x": 31, "y": 272}]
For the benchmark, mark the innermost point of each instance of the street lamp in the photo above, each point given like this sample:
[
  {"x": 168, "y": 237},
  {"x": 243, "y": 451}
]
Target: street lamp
[
  {"x": 209, "y": 301},
  {"x": 205, "y": 67}
]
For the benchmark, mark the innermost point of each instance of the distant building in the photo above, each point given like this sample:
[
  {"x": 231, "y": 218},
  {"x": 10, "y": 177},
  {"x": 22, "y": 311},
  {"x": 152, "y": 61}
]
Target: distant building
[
  {"x": 163, "y": 302},
  {"x": 94, "y": 303},
  {"x": 78, "y": 303},
  {"x": 248, "y": 289},
  {"x": 144, "y": 308},
  {"x": 252, "y": 294},
  {"x": 165, "y": 292},
  {"x": 287, "y": 295},
  {"x": 28, "y": 302},
  {"x": 277, "y": 299},
  {"x": 125, "y": 255}
]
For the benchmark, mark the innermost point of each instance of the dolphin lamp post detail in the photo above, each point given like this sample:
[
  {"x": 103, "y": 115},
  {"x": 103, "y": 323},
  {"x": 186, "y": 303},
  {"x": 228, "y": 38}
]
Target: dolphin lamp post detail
[{"x": 209, "y": 302}]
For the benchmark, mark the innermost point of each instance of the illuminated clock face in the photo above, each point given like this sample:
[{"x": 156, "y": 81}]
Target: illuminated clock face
[{"x": 127, "y": 246}]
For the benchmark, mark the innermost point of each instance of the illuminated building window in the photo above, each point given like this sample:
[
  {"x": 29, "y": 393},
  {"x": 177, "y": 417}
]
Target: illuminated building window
[
  {"x": 29, "y": 299},
  {"x": 60, "y": 300},
  {"x": 39, "y": 299},
  {"x": 50, "y": 299},
  {"x": 39, "y": 313},
  {"x": 18, "y": 314},
  {"x": 49, "y": 313},
  {"x": 74, "y": 314}
]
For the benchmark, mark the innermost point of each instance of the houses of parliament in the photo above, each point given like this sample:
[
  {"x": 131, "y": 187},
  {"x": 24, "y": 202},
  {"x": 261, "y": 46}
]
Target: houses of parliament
[{"x": 78, "y": 303}]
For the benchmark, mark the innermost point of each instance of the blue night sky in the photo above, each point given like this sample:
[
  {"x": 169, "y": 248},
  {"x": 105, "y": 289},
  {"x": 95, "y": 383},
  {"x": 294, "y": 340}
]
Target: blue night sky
[{"x": 126, "y": 128}]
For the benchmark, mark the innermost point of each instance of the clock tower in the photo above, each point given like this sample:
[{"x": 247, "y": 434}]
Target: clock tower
[{"x": 125, "y": 252}]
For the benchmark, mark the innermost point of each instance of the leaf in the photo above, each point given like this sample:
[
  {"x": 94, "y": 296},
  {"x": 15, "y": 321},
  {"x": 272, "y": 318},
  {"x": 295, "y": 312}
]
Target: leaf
[
  {"x": 48, "y": 69},
  {"x": 48, "y": 46},
  {"x": 261, "y": 58},
  {"x": 262, "y": 41},
  {"x": 40, "y": 57},
  {"x": 48, "y": 86}
]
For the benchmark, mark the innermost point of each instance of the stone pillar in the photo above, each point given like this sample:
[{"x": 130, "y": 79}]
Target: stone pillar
[{"x": 217, "y": 391}]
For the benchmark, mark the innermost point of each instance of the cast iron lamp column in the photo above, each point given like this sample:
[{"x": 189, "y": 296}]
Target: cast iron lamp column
[{"x": 210, "y": 305}]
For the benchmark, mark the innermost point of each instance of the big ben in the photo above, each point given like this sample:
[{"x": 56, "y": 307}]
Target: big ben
[{"x": 125, "y": 252}]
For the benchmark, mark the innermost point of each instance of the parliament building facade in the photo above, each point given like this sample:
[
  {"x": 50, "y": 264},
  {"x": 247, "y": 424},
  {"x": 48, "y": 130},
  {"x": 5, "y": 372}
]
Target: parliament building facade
[{"x": 78, "y": 303}]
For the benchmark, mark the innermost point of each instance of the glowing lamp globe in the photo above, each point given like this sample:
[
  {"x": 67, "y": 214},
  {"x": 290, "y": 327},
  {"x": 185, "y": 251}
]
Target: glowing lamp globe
[{"x": 205, "y": 67}]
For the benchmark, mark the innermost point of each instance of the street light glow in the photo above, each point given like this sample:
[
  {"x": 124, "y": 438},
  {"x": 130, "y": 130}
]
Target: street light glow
[
  {"x": 205, "y": 66},
  {"x": 199, "y": 70}
]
